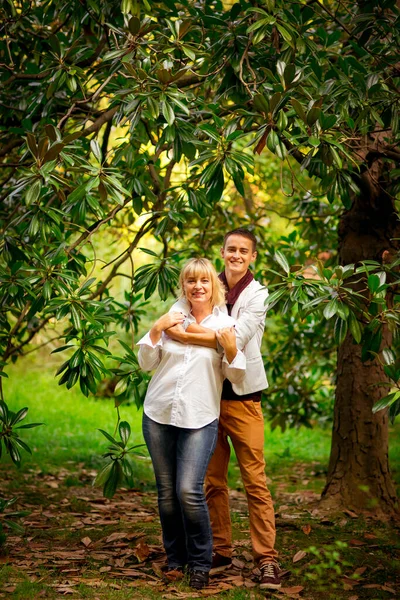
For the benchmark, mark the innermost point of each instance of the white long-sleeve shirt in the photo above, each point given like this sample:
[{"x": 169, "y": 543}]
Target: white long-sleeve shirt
[{"x": 185, "y": 390}]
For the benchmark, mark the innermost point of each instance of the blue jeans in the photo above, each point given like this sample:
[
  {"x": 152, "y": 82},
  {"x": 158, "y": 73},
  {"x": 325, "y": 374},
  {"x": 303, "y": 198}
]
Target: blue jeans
[{"x": 180, "y": 459}]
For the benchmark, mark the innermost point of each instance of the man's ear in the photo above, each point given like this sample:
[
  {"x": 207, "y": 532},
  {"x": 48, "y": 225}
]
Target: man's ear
[
  {"x": 222, "y": 252},
  {"x": 254, "y": 256}
]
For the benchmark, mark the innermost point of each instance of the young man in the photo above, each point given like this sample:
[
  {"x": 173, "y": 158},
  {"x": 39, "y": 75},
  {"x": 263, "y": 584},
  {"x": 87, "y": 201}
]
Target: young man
[{"x": 241, "y": 417}]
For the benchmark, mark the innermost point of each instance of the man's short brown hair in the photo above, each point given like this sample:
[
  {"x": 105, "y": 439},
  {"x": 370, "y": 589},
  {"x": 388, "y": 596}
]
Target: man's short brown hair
[{"x": 244, "y": 233}]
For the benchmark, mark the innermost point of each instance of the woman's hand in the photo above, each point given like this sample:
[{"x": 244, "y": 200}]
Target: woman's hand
[
  {"x": 165, "y": 322},
  {"x": 227, "y": 338}
]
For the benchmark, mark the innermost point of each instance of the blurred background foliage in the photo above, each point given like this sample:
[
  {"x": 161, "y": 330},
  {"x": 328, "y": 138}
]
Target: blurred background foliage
[{"x": 134, "y": 134}]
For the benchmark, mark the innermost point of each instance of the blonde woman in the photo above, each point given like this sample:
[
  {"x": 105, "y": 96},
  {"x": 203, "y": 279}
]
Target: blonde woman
[{"x": 181, "y": 409}]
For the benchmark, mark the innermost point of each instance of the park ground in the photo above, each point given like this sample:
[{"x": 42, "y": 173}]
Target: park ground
[{"x": 78, "y": 544}]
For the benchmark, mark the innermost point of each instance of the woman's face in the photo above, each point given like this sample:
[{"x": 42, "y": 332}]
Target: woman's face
[{"x": 198, "y": 290}]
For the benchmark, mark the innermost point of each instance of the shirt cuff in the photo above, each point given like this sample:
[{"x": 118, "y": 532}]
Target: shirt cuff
[
  {"x": 239, "y": 362},
  {"x": 146, "y": 341}
]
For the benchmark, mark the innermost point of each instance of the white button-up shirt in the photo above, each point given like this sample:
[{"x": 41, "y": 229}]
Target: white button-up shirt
[{"x": 185, "y": 390}]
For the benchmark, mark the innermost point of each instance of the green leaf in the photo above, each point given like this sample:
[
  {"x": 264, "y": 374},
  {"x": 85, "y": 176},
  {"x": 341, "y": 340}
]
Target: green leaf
[
  {"x": 110, "y": 438},
  {"x": 389, "y": 356},
  {"x": 95, "y": 148},
  {"x": 168, "y": 112},
  {"x": 274, "y": 298},
  {"x": 355, "y": 328},
  {"x": 114, "y": 479},
  {"x": 331, "y": 309},
  {"x": 373, "y": 283},
  {"x": 211, "y": 131},
  {"x": 189, "y": 52},
  {"x": 299, "y": 109},
  {"x": 340, "y": 331},
  {"x": 284, "y": 33},
  {"x": 103, "y": 474},
  {"x": 124, "y": 431},
  {"x": 33, "y": 193},
  {"x": 29, "y": 425},
  {"x": 282, "y": 260},
  {"x": 22, "y": 445},
  {"x": 19, "y": 416},
  {"x": 121, "y": 386},
  {"x": 14, "y": 453},
  {"x": 386, "y": 401}
]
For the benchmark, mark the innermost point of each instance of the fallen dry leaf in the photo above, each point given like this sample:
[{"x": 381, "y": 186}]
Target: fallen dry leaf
[
  {"x": 171, "y": 596},
  {"x": 174, "y": 575},
  {"x": 236, "y": 580},
  {"x": 370, "y": 536},
  {"x": 376, "y": 586},
  {"x": 355, "y": 542},
  {"x": 141, "y": 551},
  {"x": 350, "y": 513},
  {"x": 296, "y": 589},
  {"x": 117, "y": 535},
  {"x": 239, "y": 564},
  {"x": 86, "y": 541},
  {"x": 249, "y": 584},
  {"x": 299, "y": 556},
  {"x": 306, "y": 529},
  {"x": 360, "y": 571}
]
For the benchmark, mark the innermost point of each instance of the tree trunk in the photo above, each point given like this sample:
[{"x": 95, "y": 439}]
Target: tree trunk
[{"x": 358, "y": 473}]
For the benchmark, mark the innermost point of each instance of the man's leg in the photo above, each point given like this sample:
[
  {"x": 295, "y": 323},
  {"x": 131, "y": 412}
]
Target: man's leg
[
  {"x": 217, "y": 491},
  {"x": 245, "y": 426}
]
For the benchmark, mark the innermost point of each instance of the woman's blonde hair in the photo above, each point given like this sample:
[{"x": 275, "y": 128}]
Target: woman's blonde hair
[{"x": 199, "y": 267}]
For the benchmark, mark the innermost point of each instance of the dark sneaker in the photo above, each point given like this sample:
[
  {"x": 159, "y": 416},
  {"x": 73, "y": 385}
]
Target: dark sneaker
[
  {"x": 198, "y": 579},
  {"x": 220, "y": 563},
  {"x": 269, "y": 578}
]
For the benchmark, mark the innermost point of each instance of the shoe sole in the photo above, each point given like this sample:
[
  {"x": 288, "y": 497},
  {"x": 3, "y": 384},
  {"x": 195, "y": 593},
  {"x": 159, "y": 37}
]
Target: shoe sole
[
  {"x": 270, "y": 586},
  {"x": 220, "y": 569}
]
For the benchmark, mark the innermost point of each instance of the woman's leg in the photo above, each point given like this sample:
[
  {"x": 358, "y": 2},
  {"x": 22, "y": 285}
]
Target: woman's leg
[
  {"x": 194, "y": 450},
  {"x": 161, "y": 440}
]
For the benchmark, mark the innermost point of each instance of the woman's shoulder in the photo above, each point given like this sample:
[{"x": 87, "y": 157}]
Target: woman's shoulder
[{"x": 224, "y": 320}]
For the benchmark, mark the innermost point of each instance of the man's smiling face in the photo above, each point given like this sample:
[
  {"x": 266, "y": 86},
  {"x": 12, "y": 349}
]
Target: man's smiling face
[{"x": 238, "y": 253}]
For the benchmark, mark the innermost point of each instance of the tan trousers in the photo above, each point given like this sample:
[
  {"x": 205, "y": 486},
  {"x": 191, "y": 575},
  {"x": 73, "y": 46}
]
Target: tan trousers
[{"x": 243, "y": 422}]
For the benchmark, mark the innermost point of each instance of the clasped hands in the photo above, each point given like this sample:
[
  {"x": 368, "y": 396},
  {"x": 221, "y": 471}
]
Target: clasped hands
[{"x": 226, "y": 336}]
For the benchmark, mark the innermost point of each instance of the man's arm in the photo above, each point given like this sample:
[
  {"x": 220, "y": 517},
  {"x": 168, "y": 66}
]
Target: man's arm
[
  {"x": 194, "y": 334},
  {"x": 251, "y": 317}
]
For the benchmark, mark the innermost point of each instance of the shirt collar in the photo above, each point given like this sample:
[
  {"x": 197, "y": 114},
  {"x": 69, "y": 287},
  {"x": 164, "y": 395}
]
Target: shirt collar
[{"x": 215, "y": 312}]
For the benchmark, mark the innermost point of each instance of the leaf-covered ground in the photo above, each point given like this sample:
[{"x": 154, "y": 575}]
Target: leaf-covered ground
[{"x": 78, "y": 544}]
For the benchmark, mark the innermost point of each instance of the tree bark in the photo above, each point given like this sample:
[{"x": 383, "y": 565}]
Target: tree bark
[{"x": 358, "y": 473}]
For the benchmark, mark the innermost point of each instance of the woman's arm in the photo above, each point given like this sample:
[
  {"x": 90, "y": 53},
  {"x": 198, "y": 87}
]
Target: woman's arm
[
  {"x": 150, "y": 345},
  {"x": 165, "y": 322}
]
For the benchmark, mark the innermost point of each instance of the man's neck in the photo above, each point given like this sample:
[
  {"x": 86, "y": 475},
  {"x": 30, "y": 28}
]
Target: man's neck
[{"x": 233, "y": 278}]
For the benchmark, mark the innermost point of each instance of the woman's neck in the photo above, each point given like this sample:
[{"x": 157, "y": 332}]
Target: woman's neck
[{"x": 201, "y": 312}]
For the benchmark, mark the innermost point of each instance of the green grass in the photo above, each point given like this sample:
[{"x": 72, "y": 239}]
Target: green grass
[
  {"x": 70, "y": 434},
  {"x": 70, "y": 447}
]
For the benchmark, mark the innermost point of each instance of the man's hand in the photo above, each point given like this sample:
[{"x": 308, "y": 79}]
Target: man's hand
[
  {"x": 194, "y": 334},
  {"x": 227, "y": 338},
  {"x": 165, "y": 322},
  {"x": 177, "y": 333}
]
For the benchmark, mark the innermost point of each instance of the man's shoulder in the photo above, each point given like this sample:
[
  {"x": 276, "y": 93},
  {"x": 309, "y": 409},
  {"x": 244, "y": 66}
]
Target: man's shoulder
[
  {"x": 254, "y": 290},
  {"x": 224, "y": 319},
  {"x": 181, "y": 305}
]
